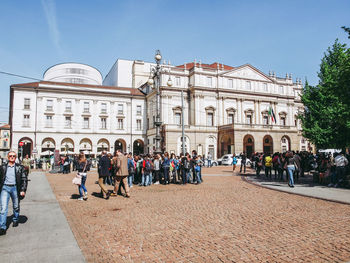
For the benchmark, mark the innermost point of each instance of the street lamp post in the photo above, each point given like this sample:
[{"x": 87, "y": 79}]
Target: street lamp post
[
  {"x": 155, "y": 79},
  {"x": 48, "y": 147}
]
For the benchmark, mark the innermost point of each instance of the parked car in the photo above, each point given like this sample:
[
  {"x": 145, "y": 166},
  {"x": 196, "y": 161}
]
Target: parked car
[
  {"x": 222, "y": 157},
  {"x": 213, "y": 162},
  {"x": 228, "y": 158}
]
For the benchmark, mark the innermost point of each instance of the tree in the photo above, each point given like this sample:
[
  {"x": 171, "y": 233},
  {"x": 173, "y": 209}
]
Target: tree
[{"x": 326, "y": 119}]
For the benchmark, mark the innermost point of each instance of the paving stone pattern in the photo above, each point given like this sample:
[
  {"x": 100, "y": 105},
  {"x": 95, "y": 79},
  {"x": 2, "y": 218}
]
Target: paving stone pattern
[{"x": 222, "y": 220}]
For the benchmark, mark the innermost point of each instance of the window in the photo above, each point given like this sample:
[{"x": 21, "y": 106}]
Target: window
[
  {"x": 209, "y": 81},
  {"x": 75, "y": 71},
  {"x": 103, "y": 123},
  {"x": 303, "y": 140},
  {"x": 27, "y": 104},
  {"x": 178, "y": 118},
  {"x": 4, "y": 144},
  {"x": 68, "y": 106},
  {"x": 230, "y": 119},
  {"x": 120, "y": 109},
  {"x": 283, "y": 121},
  {"x": 86, "y": 123},
  {"x": 49, "y": 105},
  {"x": 265, "y": 119},
  {"x": 103, "y": 107},
  {"x": 138, "y": 110},
  {"x": 210, "y": 119},
  {"x": 248, "y": 119},
  {"x": 281, "y": 90},
  {"x": 48, "y": 121},
  {"x": 120, "y": 124},
  {"x": 248, "y": 85},
  {"x": 86, "y": 106},
  {"x": 178, "y": 81},
  {"x": 230, "y": 83},
  {"x": 68, "y": 122},
  {"x": 265, "y": 87},
  {"x": 26, "y": 120},
  {"x": 138, "y": 125}
]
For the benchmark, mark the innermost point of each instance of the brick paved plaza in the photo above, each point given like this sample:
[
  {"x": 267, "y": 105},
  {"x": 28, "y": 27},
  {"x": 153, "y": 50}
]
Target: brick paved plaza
[{"x": 222, "y": 220}]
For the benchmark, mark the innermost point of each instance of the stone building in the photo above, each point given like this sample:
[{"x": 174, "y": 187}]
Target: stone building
[{"x": 4, "y": 140}]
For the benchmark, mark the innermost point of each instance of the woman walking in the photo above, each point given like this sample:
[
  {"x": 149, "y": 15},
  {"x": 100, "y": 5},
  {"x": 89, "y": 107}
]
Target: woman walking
[{"x": 82, "y": 168}]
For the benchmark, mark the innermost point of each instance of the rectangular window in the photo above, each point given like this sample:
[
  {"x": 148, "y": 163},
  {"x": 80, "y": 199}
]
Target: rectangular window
[
  {"x": 103, "y": 107},
  {"x": 138, "y": 110},
  {"x": 281, "y": 90},
  {"x": 68, "y": 106},
  {"x": 248, "y": 119},
  {"x": 138, "y": 125},
  {"x": 265, "y": 120},
  {"x": 210, "y": 119},
  {"x": 120, "y": 124},
  {"x": 48, "y": 121},
  {"x": 265, "y": 87},
  {"x": 103, "y": 123},
  {"x": 26, "y": 120},
  {"x": 230, "y": 118},
  {"x": 86, "y": 123},
  {"x": 230, "y": 83},
  {"x": 120, "y": 109},
  {"x": 178, "y": 118},
  {"x": 49, "y": 105},
  {"x": 68, "y": 122},
  {"x": 4, "y": 144},
  {"x": 209, "y": 81},
  {"x": 178, "y": 81},
  {"x": 248, "y": 85},
  {"x": 86, "y": 106},
  {"x": 27, "y": 104},
  {"x": 283, "y": 121}
]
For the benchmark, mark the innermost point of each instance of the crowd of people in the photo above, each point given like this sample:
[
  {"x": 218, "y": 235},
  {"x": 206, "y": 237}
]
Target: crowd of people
[{"x": 290, "y": 166}]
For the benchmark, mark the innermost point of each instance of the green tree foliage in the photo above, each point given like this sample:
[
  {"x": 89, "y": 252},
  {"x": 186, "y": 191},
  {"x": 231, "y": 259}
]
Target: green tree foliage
[{"x": 326, "y": 119}]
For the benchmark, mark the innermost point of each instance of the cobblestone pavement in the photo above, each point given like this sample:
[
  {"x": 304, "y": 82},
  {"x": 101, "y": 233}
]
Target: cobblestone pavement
[{"x": 223, "y": 219}]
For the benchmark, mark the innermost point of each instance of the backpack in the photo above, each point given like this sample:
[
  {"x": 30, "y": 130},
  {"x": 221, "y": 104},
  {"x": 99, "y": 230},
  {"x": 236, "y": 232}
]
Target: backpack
[
  {"x": 132, "y": 167},
  {"x": 187, "y": 165},
  {"x": 148, "y": 167}
]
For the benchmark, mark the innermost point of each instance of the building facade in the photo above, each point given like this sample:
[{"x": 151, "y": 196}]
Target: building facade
[
  {"x": 226, "y": 110},
  {"x": 4, "y": 140}
]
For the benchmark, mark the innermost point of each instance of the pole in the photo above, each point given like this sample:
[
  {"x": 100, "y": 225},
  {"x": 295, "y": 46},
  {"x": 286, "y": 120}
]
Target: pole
[
  {"x": 158, "y": 122},
  {"x": 182, "y": 122}
]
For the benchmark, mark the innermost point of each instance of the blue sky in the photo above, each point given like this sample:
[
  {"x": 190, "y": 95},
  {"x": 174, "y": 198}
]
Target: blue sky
[{"x": 284, "y": 36}]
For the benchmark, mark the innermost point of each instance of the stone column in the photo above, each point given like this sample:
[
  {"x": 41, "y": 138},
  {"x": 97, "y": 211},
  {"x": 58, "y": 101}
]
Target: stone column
[{"x": 259, "y": 112}]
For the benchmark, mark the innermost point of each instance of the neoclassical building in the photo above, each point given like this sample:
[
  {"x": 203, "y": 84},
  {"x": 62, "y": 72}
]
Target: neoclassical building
[{"x": 226, "y": 110}]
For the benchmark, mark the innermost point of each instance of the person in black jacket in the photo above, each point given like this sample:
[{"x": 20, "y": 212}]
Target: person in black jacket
[
  {"x": 103, "y": 171},
  {"x": 13, "y": 183}
]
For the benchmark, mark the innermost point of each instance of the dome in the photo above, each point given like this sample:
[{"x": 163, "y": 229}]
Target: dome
[{"x": 73, "y": 73}]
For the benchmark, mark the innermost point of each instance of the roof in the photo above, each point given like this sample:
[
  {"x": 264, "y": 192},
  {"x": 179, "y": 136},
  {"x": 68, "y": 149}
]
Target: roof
[
  {"x": 6, "y": 126},
  {"x": 36, "y": 85},
  {"x": 214, "y": 65}
]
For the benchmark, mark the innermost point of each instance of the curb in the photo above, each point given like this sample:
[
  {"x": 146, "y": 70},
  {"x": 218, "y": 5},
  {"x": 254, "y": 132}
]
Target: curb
[{"x": 287, "y": 192}]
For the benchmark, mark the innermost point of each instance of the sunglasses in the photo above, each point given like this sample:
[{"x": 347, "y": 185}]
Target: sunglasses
[{"x": 12, "y": 155}]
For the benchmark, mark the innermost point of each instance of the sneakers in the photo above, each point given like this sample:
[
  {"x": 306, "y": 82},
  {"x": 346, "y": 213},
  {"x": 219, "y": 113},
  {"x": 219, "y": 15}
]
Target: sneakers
[
  {"x": 15, "y": 224},
  {"x": 330, "y": 185},
  {"x": 156, "y": 182},
  {"x": 2, "y": 231},
  {"x": 85, "y": 196},
  {"x": 80, "y": 199}
]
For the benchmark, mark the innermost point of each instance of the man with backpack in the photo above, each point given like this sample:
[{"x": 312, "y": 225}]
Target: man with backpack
[
  {"x": 131, "y": 169},
  {"x": 147, "y": 168}
]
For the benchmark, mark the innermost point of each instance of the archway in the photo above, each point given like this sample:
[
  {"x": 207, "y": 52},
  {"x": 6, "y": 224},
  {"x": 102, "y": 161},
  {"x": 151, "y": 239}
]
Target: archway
[
  {"x": 26, "y": 148},
  {"x": 138, "y": 147},
  {"x": 67, "y": 146},
  {"x": 48, "y": 146},
  {"x": 248, "y": 145},
  {"x": 225, "y": 145},
  {"x": 85, "y": 146},
  {"x": 102, "y": 144},
  {"x": 285, "y": 144},
  {"x": 120, "y": 144},
  {"x": 268, "y": 144}
]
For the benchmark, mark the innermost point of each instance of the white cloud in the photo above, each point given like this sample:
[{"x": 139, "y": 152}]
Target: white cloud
[{"x": 49, "y": 7}]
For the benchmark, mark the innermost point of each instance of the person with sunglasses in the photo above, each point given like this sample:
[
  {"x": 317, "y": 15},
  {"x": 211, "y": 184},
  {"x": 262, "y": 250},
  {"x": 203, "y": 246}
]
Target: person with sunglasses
[{"x": 13, "y": 183}]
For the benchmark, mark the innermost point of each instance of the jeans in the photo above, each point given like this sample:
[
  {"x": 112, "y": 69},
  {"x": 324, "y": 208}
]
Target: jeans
[
  {"x": 6, "y": 193},
  {"x": 146, "y": 179},
  {"x": 268, "y": 173},
  {"x": 82, "y": 186},
  {"x": 150, "y": 179},
  {"x": 242, "y": 164},
  {"x": 340, "y": 172},
  {"x": 209, "y": 163},
  {"x": 188, "y": 176},
  {"x": 166, "y": 174},
  {"x": 198, "y": 177},
  {"x": 291, "y": 169},
  {"x": 184, "y": 176},
  {"x": 130, "y": 179}
]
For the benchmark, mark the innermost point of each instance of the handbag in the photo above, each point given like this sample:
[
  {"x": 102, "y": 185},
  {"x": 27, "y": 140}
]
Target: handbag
[{"x": 77, "y": 179}]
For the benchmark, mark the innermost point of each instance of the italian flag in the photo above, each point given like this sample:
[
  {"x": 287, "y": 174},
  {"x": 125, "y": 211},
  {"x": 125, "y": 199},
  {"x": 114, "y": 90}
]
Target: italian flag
[{"x": 272, "y": 114}]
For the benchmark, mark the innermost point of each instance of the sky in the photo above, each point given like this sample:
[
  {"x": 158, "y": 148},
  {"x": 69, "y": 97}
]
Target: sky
[{"x": 284, "y": 36}]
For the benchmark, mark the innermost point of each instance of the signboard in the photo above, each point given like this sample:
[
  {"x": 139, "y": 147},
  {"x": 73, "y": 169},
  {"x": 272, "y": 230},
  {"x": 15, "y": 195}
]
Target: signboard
[{"x": 21, "y": 144}]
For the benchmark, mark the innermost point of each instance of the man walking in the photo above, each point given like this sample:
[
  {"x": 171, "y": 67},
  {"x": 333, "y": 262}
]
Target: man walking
[
  {"x": 243, "y": 162},
  {"x": 209, "y": 159},
  {"x": 103, "y": 171},
  {"x": 13, "y": 183},
  {"x": 122, "y": 173}
]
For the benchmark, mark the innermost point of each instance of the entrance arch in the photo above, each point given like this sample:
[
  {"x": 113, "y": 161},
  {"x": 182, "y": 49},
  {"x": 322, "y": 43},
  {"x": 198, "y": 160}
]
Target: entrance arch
[
  {"x": 268, "y": 144},
  {"x": 85, "y": 146},
  {"x": 138, "y": 147},
  {"x": 226, "y": 147},
  {"x": 248, "y": 145},
  {"x": 285, "y": 144},
  {"x": 26, "y": 148},
  {"x": 67, "y": 146},
  {"x": 120, "y": 144},
  {"x": 102, "y": 144}
]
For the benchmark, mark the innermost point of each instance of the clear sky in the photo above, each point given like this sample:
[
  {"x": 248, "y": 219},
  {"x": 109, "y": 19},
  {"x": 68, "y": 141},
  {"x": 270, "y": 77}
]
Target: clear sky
[{"x": 284, "y": 36}]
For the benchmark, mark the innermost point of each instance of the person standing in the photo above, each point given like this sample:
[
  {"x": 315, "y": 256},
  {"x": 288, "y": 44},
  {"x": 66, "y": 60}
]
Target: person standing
[
  {"x": 209, "y": 159},
  {"x": 13, "y": 183},
  {"x": 26, "y": 164},
  {"x": 340, "y": 163},
  {"x": 131, "y": 169},
  {"x": 243, "y": 162},
  {"x": 268, "y": 166},
  {"x": 166, "y": 167},
  {"x": 156, "y": 163},
  {"x": 290, "y": 163},
  {"x": 121, "y": 163},
  {"x": 82, "y": 168},
  {"x": 234, "y": 162},
  {"x": 104, "y": 166}
]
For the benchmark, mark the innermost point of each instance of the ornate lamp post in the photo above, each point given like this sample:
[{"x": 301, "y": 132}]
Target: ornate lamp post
[{"x": 155, "y": 79}]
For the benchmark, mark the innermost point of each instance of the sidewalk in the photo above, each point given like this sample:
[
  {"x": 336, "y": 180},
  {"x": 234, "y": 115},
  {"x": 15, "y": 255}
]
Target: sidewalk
[
  {"x": 43, "y": 234},
  {"x": 304, "y": 187}
]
